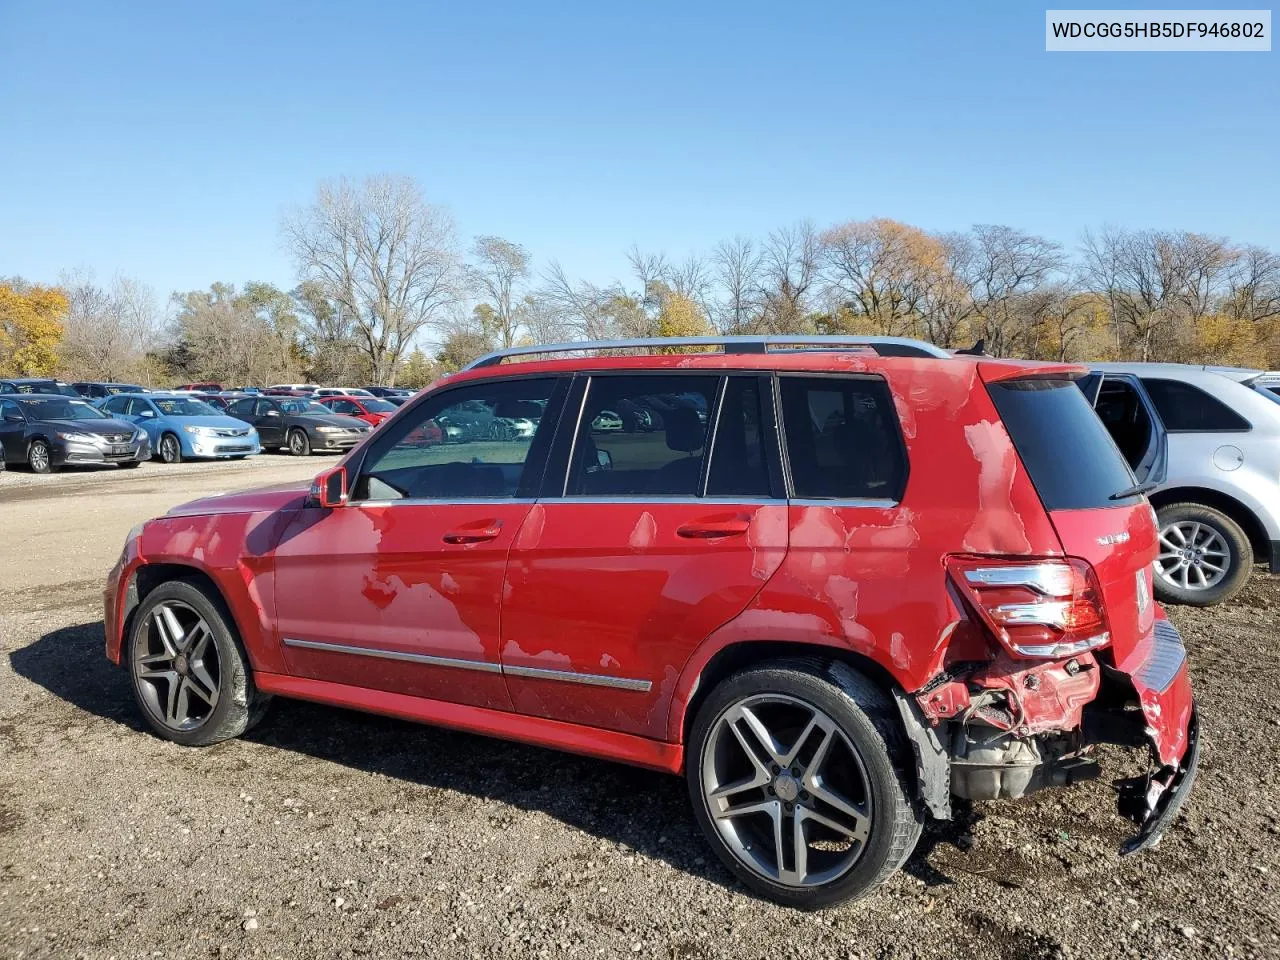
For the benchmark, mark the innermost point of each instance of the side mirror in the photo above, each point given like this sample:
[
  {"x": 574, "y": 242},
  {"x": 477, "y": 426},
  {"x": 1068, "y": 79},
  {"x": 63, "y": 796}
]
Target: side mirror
[
  {"x": 273, "y": 413},
  {"x": 144, "y": 414},
  {"x": 330, "y": 488},
  {"x": 13, "y": 418}
]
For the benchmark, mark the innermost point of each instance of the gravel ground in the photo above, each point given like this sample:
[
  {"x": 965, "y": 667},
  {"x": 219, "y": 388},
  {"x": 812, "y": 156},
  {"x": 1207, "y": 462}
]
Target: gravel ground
[{"x": 332, "y": 834}]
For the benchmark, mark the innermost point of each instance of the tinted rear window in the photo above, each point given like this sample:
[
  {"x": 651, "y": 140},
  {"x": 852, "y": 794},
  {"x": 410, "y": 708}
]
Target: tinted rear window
[
  {"x": 1188, "y": 409},
  {"x": 1071, "y": 458}
]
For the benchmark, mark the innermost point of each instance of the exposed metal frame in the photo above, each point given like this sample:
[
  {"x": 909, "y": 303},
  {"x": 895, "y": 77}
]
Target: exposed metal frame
[{"x": 884, "y": 346}]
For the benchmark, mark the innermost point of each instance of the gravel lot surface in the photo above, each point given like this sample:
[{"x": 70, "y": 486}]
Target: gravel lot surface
[{"x": 332, "y": 834}]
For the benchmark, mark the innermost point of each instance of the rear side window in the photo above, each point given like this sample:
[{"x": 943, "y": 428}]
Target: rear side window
[
  {"x": 642, "y": 436},
  {"x": 1188, "y": 409},
  {"x": 738, "y": 466},
  {"x": 1068, "y": 453},
  {"x": 843, "y": 439}
]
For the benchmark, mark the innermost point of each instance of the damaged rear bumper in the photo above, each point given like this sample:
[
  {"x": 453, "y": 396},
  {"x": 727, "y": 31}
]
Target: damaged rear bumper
[{"x": 1009, "y": 728}]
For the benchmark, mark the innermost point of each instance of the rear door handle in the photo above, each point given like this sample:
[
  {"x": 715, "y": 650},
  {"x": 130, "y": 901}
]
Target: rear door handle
[
  {"x": 711, "y": 529},
  {"x": 475, "y": 533}
]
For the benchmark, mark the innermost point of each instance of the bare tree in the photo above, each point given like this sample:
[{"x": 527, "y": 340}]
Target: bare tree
[
  {"x": 947, "y": 307},
  {"x": 789, "y": 268},
  {"x": 236, "y": 337},
  {"x": 108, "y": 330},
  {"x": 883, "y": 270},
  {"x": 1254, "y": 286},
  {"x": 498, "y": 273},
  {"x": 385, "y": 255},
  {"x": 735, "y": 266},
  {"x": 1009, "y": 268}
]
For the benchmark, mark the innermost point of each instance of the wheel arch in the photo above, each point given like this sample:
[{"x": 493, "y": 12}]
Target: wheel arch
[
  {"x": 148, "y": 576},
  {"x": 1232, "y": 507}
]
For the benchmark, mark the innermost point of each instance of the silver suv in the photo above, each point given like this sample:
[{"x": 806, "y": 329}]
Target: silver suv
[{"x": 1209, "y": 442}]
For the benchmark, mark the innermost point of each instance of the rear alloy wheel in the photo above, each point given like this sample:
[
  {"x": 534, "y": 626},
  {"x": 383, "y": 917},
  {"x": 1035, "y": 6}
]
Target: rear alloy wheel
[
  {"x": 170, "y": 449},
  {"x": 299, "y": 443},
  {"x": 39, "y": 458},
  {"x": 190, "y": 675},
  {"x": 797, "y": 781},
  {"x": 1204, "y": 557}
]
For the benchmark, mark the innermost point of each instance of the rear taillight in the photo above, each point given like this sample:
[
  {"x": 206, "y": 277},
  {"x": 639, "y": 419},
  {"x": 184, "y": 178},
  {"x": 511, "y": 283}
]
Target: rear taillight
[{"x": 1038, "y": 608}]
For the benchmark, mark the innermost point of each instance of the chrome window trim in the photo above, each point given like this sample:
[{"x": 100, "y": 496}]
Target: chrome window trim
[
  {"x": 481, "y": 666},
  {"x": 426, "y": 502},
  {"x": 885, "y": 503},
  {"x": 657, "y": 499}
]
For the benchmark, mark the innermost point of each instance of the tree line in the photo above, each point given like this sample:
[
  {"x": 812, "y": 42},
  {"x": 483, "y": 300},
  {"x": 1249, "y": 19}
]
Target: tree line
[{"x": 382, "y": 272}]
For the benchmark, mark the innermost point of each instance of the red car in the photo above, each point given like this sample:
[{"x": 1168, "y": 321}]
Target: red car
[
  {"x": 371, "y": 410},
  {"x": 207, "y": 386},
  {"x": 832, "y": 587}
]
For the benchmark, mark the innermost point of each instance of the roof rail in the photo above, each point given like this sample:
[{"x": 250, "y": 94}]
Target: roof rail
[{"x": 884, "y": 346}]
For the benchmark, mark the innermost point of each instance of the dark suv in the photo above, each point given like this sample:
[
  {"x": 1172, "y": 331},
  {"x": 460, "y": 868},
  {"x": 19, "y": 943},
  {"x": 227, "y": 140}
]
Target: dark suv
[{"x": 833, "y": 588}]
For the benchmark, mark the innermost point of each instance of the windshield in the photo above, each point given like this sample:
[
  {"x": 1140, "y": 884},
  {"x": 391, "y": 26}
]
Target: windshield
[
  {"x": 304, "y": 406},
  {"x": 114, "y": 388},
  {"x": 56, "y": 408},
  {"x": 1272, "y": 393},
  {"x": 185, "y": 407},
  {"x": 379, "y": 406}
]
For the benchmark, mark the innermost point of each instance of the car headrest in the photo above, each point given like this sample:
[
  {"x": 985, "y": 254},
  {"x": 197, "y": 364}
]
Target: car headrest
[{"x": 685, "y": 432}]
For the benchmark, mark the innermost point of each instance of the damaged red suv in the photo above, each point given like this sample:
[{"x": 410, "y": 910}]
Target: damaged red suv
[{"x": 832, "y": 583}]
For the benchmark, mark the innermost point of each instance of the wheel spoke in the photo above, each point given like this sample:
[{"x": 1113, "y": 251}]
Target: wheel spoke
[
  {"x": 858, "y": 831},
  {"x": 1177, "y": 532},
  {"x": 1164, "y": 539},
  {"x": 818, "y": 787},
  {"x": 815, "y": 723},
  {"x": 204, "y": 689},
  {"x": 163, "y": 657},
  {"x": 799, "y": 850},
  {"x": 197, "y": 636},
  {"x": 1199, "y": 575},
  {"x": 761, "y": 737},
  {"x": 169, "y": 629},
  {"x": 171, "y": 701},
  {"x": 1195, "y": 534}
]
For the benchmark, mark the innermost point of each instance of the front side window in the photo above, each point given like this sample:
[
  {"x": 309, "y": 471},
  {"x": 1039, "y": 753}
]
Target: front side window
[
  {"x": 344, "y": 406},
  {"x": 484, "y": 441},
  {"x": 843, "y": 439},
  {"x": 642, "y": 436},
  {"x": 301, "y": 406},
  {"x": 1188, "y": 409},
  {"x": 9, "y": 409},
  {"x": 116, "y": 405},
  {"x": 264, "y": 407},
  {"x": 241, "y": 408}
]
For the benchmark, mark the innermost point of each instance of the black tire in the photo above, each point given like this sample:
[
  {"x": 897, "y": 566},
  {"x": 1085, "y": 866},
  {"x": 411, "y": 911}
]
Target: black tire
[
  {"x": 170, "y": 448},
  {"x": 40, "y": 457},
  {"x": 298, "y": 443},
  {"x": 240, "y": 706},
  {"x": 868, "y": 718},
  {"x": 1238, "y": 564}
]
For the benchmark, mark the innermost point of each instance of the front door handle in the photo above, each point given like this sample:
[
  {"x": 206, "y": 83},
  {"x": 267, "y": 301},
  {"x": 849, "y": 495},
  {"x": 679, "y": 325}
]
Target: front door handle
[
  {"x": 710, "y": 528},
  {"x": 475, "y": 532}
]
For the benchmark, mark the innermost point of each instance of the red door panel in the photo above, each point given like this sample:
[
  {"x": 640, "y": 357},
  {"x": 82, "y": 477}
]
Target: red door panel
[
  {"x": 416, "y": 587},
  {"x": 605, "y": 601}
]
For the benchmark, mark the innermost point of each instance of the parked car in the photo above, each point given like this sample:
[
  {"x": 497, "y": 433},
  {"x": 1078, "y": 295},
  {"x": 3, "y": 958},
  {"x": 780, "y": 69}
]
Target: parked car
[
  {"x": 49, "y": 431},
  {"x": 37, "y": 385},
  {"x": 96, "y": 391},
  {"x": 181, "y": 426},
  {"x": 372, "y": 410},
  {"x": 868, "y": 585},
  {"x": 390, "y": 393},
  {"x": 340, "y": 392},
  {"x": 208, "y": 386},
  {"x": 1209, "y": 444},
  {"x": 292, "y": 388},
  {"x": 1269, "y": 386},
  {"x": 298, "y": 424}
]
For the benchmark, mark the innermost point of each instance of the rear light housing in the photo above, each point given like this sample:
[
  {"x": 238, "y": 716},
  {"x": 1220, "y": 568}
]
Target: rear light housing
[{"x": 1041, "y": 609}]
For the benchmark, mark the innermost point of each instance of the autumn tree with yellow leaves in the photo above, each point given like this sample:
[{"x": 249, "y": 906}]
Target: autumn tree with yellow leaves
[{"x": 31, "y": 326}]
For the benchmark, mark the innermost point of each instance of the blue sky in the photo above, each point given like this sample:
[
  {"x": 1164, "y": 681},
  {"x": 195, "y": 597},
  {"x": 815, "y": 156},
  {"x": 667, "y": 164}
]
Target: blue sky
[{"x": 163, "y": 140}]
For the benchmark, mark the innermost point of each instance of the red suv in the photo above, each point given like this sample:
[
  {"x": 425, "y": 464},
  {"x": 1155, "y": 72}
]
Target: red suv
[{"x": 833, "y": 584}]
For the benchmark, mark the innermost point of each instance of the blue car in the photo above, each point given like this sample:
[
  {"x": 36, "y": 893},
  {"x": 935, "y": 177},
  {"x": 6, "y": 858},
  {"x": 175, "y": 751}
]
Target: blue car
[{"x": 182, "y": 426}]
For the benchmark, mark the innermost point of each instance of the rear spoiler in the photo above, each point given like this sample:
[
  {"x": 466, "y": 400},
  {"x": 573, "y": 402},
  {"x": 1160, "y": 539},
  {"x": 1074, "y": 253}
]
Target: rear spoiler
[{"x": 993, "y": 371}]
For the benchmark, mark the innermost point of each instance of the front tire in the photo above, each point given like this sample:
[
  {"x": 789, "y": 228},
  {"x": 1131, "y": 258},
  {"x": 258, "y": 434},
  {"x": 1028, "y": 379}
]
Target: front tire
[
  {"x": 190, "y": 675},
  {"x": 1204, "y": 556},
  {"x": 798, "y": 779},
  {"x": 299, "y": 443},
  {"x": 40, "y": 457}
]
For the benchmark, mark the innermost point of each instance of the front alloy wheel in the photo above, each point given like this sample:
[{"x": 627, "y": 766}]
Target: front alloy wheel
[
  {"x": 170, "y": 449},
  {"x": 39, "y": 458},
  {"x": 299, "y": 445},
  {"x": 176, "y": 666}
]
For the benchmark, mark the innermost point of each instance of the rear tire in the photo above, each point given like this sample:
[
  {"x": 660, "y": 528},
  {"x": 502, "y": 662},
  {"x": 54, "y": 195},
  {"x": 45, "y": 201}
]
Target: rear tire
[
  {"x": 847, "y": 782},
  {"x": 40, "y": 457},
  {"x": 183, "y": 636},
  {"x": 299, "y": 443},
  {"x": 170, "y": 448},
  {"x": 1204, "y": 555}
]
